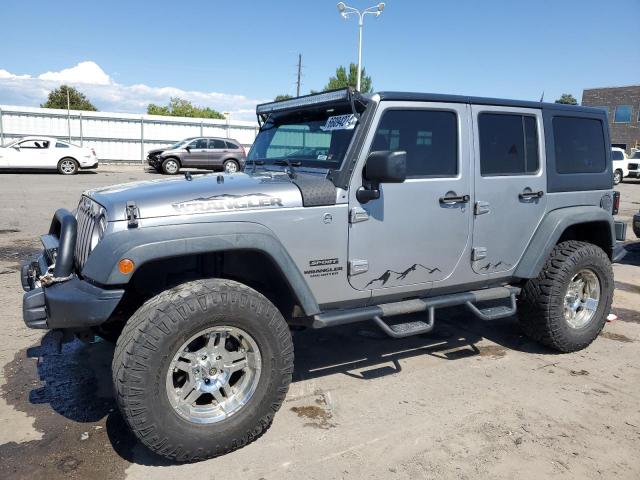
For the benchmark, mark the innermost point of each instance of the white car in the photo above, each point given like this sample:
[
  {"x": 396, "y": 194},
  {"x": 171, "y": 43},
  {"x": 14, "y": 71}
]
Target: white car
[
  {"x": 620, "y": 164},
  {"x": 47, "y": 153}
]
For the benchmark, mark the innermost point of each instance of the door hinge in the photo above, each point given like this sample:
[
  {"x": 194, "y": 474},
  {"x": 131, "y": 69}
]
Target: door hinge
[
  {"x": 356, "y": 267},
  {"x": 478, "y": 253},
  {"x": 481, "y": 208},
  {"x": 132, "y": 215},
  {"x": 358, "y": 215}
]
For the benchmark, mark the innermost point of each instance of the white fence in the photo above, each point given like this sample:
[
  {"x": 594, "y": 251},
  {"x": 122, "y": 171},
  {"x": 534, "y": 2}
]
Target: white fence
[{"x": 116, "y": 136}]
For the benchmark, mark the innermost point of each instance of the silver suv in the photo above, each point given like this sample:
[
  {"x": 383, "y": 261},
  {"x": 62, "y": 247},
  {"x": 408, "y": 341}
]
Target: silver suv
[
  {"x": 352, "y": 208},
  {"x": 218, "y": 154}
]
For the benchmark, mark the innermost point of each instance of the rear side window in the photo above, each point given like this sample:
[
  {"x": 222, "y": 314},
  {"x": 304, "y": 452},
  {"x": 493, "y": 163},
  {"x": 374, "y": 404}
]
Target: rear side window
[
  {"x": 508, "y": 144},
  {"x": 579, "y": 145},
  {"x": 215, "y": 143},
  {"x": 232, "y": 146},
  {"x": 430, "y": 138},
  {"x": 617, "y": 155},
  {"x": 61, "y": 145}
]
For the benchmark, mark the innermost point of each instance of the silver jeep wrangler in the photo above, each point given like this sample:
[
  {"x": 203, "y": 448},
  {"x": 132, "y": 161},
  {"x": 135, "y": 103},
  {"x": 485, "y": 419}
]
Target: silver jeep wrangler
[{"x": 352, "y": 208}]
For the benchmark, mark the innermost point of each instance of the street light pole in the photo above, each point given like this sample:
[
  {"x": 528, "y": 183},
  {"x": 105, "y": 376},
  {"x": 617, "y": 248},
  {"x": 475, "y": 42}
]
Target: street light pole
[{"x": 345, "y": 11}]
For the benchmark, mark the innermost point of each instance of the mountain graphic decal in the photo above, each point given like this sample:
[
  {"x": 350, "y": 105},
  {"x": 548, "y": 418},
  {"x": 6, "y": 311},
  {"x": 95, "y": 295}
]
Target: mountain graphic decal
[{"x": 384, "y": 278}]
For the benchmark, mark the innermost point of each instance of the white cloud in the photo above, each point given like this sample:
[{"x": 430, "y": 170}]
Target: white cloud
[
  {"x": 110, "y": 96},
  {"x": 84, "y": 72}
]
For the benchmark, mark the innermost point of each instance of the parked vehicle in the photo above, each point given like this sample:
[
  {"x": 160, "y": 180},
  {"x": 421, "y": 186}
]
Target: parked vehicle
[
  {"x": 620, "y": 164},
  {"x": 47, "y": 153},
  {"x": 411, "y": 203},
  {"x": 218, "y": 154},
  {"x": 634, "y": 162}
]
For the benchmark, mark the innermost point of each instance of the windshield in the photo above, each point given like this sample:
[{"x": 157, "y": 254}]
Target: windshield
[
  {"x": 180, "y": 143},
  {"x": 636, "y": 155},
  {"x": 317, "y": 140}
]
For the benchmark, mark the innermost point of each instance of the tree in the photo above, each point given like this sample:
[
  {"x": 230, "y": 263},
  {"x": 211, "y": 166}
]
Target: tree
[
  {"x": 282, "y": 97},
  {"x": 77, "y": 101},
  {"x": 179, "y": 107},
  {"x": 342, "y": 80},
  {"x": 567, "y": 99}
]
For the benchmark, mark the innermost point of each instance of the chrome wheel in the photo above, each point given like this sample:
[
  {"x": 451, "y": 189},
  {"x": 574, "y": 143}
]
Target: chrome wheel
[
  {"x": 213, "y": 374},
  {"x": 582, "y": 298},
  {"x": 230, "y": 167},
  {"x": 617, "y": 177},
  {"x": 68, "y": 166}
]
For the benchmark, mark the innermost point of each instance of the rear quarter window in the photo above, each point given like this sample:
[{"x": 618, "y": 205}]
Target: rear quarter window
[{"x": 579, "y": 145}]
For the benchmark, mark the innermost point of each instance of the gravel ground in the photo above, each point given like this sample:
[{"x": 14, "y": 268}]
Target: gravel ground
[{"x": 470, "y": 400}]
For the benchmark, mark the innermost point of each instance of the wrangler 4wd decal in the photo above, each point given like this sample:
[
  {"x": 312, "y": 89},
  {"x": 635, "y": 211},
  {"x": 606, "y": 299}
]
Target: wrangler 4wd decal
[
  {"x": 324, "y": 267},
  {"x": 227, "y": 202}
]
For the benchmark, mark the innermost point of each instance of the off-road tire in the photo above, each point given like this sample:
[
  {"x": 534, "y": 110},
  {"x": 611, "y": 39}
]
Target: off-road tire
[
  {"x": 68, "y": 161},
  {"x": 166, "y": 162},
  {"x": 541, "y": 300},
  {"x": 147, "y": 344}
]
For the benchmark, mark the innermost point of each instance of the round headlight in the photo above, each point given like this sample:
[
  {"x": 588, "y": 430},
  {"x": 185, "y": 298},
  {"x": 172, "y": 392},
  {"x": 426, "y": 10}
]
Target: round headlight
[{"x": 99, "y": 227}]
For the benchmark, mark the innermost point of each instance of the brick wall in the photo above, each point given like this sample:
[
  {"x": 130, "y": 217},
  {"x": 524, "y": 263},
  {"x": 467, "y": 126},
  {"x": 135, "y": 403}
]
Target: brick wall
[{"x": 621, "y": 133}]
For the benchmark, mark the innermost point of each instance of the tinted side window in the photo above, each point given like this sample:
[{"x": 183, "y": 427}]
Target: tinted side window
[
  {"x": 430, "y": 138},
  {"x": 215, "y": 143},
  {"x": 617, "y": 155},
  {"x": 232, "y": 146},
  {"x": 61, "y": 145},
  {"x": 508, "y": 144},
  {"x": 579, "y": 145}
]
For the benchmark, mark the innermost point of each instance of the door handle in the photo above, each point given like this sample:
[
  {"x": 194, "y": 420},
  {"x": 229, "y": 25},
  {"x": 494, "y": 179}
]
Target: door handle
[
  {"x": 454, "y": 200},
  {"x": 530, "y": 195}
]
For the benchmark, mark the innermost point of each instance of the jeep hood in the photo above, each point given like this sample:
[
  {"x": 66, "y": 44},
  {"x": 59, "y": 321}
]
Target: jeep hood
[{"x": 210, "y": 193}]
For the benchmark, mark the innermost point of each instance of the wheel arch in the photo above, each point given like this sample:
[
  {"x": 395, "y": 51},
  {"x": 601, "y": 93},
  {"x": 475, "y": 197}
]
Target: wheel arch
[
  {"x": 253, "y": 255},
  {"x": 586, "y": 223}
]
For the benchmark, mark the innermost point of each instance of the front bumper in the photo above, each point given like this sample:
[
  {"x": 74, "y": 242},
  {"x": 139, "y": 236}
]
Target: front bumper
[{"x": 69, "y": 302}]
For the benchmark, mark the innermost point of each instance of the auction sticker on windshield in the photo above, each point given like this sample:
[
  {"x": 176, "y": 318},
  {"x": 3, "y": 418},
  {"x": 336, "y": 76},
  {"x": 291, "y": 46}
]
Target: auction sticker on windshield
[{"x": 340, "y": 122}]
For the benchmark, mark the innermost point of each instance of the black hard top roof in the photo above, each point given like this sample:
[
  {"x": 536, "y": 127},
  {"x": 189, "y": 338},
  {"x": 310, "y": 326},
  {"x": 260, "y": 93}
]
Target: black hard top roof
[{"x": 438, "y": 97}]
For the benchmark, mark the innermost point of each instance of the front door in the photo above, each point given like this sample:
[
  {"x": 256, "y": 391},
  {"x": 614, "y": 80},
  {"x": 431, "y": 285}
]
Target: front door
[
  {"x": 510, "y": 185},
  {"x": 416, "y": 233},
  {"x": 33, "y": 153},
  {"x": 196, "y": 154}
]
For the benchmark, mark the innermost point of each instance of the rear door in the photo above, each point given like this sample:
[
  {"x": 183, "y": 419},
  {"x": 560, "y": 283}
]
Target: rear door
[
  {"x": 417, "y": 232},
  {"x": 510, "y": 185},
  {"x": 217, "y": 149}
]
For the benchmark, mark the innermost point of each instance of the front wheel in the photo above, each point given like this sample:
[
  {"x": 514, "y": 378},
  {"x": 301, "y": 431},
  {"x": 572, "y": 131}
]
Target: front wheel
[
  {"x": 68, "y": 166},
  {"x": 201, "y": 369},
  {"x": 230, "y": 166},
  {"x": 566, "y": 306},
  {"x": 170, "y": 166},
  {"x": 617, "y": 177}
]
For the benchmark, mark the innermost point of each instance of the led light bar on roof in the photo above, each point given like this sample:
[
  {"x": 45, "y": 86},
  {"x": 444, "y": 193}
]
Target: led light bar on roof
[{"x": 307, "y": 100}]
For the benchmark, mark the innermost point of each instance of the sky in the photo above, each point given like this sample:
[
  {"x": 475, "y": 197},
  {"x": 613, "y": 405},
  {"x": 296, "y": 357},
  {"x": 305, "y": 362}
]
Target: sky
[{"x": 231, "y": 55}]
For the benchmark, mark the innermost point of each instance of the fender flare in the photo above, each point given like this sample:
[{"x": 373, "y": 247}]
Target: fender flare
[
  {"x": 167, "y": 241},
  {"x": 551, "y": 228}
]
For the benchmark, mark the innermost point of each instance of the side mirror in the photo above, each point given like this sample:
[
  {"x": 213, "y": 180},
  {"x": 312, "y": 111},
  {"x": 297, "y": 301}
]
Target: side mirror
[
  {"x": 17, "y": 147},
  {"x": 384, "y": 166},
  {"x": 188, "y": 148}
]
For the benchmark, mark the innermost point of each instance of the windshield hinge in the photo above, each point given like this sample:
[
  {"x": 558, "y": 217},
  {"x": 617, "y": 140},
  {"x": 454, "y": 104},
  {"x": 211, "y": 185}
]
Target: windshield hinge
[{"x": 132, "y": 215}]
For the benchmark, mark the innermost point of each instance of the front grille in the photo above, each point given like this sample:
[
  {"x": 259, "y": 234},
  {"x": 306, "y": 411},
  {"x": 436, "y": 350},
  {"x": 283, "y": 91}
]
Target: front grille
[
  {"x": 633, "y": 166},
  {"x": 87, "y": 216}
]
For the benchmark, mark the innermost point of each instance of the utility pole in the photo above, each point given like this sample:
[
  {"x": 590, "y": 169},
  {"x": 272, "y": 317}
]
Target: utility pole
[
  {"x": 299, "y": 75},
  {"x": 68, "y": 115}
]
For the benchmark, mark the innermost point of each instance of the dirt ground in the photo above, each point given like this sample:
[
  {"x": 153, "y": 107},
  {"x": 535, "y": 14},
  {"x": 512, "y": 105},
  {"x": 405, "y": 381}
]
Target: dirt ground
[{"x": 470, "y": 400}]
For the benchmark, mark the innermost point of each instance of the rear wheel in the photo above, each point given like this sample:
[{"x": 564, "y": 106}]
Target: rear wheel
[
  {"x": 170, "y": 166},
  {"x": 230, "y": 166},
  {"x": 566, "y": 306},
  {"x": 68, "y": 166},
  {"x": 617, "y": 177},
  {"x": 201, "y": 369}
]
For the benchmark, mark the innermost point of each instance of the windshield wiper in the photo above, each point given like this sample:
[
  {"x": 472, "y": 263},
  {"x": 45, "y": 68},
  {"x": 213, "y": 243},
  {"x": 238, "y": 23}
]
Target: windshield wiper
[{"x": 289, "y": 171}]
